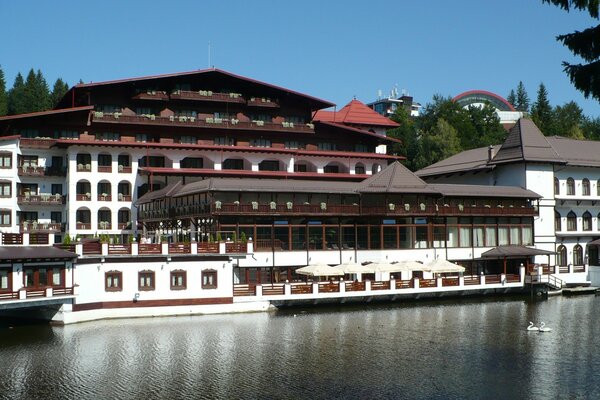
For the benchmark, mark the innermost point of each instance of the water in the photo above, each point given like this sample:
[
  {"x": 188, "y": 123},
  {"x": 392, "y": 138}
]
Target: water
[{"x": 451, "y": 349}]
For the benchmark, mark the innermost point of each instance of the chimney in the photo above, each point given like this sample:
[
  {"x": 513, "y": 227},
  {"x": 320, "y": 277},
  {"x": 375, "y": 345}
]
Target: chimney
[{"x": 491, "y": 153}]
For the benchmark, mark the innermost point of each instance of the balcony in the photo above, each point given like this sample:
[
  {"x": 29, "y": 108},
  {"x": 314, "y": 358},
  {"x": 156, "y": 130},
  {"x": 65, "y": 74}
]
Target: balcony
[
  {"x": 35, "y": 226},
  {"x": 84, "y": 167},
  {"x": 415, "y": 209},
  {"x": 152, "y": 95},
  {"x": 124, "y": 169},
  {"x": 84, "y": 197},
  {"x": 31, "y": 170},
  {"x": 262, "y": 102},
  {"x": 193, "y": 122},
  {"x": 40, "y": 143},
  {"x": 124, "y": 197},
  {"x": 207, "y": 95},
  {"x": 40, "y": 199},
  {"x": 83, "y": 226},
  {"x": 104, "y": 197},
  {"x": 104, "y": 168}
]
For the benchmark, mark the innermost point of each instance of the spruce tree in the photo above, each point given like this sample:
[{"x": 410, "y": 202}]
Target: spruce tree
[
  {"x": 3, "y": 94},
  {"x": 16, "y": 96},
  {"x": 58, "y": 91},
  {"x": 585, "y": 44},
  {"x": 541, "y": 111},
  {"x": 522, "y": 98},
  {"x": 512, "y": 98}
]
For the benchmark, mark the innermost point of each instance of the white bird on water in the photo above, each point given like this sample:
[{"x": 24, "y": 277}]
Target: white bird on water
[
  {"x": 543, "y": 328},
  {"x": 532, "y": 327}
]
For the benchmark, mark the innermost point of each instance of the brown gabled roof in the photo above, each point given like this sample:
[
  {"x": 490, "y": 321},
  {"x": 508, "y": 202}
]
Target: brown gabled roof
[
  {"x": 468, "y": 160},
  {"x": 395, "y": 178},
  {"x": 14, "y": 253},
  {"x": 484, "y": 191},
  {"x": 525, "y": 142},
  {"x": 514, "y": 251},
  {"x": 46, "y": 113},
  {"x": 167, "y": 191},
  {"x": 210, "y": 72},
  {"x": 355, "y": 113},
  {"x": 585, "y": 153},
  {"x": 377, "y": 136}
]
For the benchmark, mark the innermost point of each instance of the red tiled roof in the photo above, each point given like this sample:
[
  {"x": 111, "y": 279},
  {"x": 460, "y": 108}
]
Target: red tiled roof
[{"x": 355, "y": 113}]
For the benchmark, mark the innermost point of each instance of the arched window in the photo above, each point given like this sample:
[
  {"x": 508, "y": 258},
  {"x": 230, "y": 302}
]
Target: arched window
[
  {"x": 561, "y": 255},
  {"x": 557, "y": 222},
  {"x": 570, "y": 187},
  {"x": 587, "y": 221},
  {"x": 585, "y": 187},
  {"x": 571, "y": 221},
  {"x": 556, "y": 186},
  {"x": 577, "y": 255}
]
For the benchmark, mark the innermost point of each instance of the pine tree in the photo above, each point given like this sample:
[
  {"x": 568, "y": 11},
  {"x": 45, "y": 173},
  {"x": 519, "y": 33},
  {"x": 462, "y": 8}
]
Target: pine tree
[
  {"x": 522, "y": 98},
  {"x": 16, "y": 96},
  {"x": 568, "y": 120},
  {"x": 58, "y": 91},
  {"x": 541, "y": 111},
  {"x": 3, "y": 95},
  {"x": 585, "y": 44},
  {"x": 512, "y": 97}
]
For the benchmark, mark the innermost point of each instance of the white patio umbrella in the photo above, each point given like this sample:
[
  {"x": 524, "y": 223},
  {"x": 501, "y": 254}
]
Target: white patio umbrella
[
  {"x": 355, "y": 268},
  {"x": 387, "y": 267},
  {"x": 320, "y": 270},
  {"x": 414, "y": 265},
  {"x": 441, "y": 266}
]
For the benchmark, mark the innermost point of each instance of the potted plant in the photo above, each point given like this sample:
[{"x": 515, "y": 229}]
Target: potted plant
[{"x": 289, "y": 205}]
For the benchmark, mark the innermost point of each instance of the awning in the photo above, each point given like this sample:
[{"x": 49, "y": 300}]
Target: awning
[{"x": 514, "y": 251}]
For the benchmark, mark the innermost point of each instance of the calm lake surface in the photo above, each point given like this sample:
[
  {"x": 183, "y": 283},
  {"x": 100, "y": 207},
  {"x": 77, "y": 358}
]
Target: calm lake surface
[{"x": 451, "y": 349}]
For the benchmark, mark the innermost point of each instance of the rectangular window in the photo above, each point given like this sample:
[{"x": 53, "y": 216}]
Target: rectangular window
[
  {"x": 67, "y": 134},
  {"x": 5, "y": 189},
  {"x": 146, "y": 280},
  {"x": 108, "y": 136},
  {"x": 5, "y": 219},
  {"x": 4, "y": 280},
  {"x": 327, "y": 146},
  {"x": 113, "y": 281},
  {"x": 224, "y": 141},
  {"x": 294, "y": 144},
  {"x": 178, "y": 280},
  {"x": 260, "y": 143},
  {"x": 188, "y": 140},
  {"x": 5, "y": 160},
  {"x": 209, "y": 279},
  {"x": 361, "y": 148}
]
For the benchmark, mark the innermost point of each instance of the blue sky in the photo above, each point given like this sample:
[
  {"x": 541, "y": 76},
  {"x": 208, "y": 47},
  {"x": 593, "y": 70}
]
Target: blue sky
[{"x": 333, "y": 50}]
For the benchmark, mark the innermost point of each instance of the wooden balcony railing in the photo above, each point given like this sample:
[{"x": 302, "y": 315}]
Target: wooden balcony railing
[
  {"x": 38, "y": 143},
  {"x": 216, "y": 123},
  {"x": 40, "y": 199},
  {"x": 35, "y": 226},
  {"x": 329, "y": 287},
  {"x": 92, "y": 248},
  {"x": 425, "y": 283},
  {"x": 104, "y": 197},
  {"x": 355, "y": 286},
  {"x": 453, "y": 281},
  {"x": 152, "y": 95},
  {"x": 124, "y": 197},
  {"x": 84, "y": 167},
  {"x": 408, "y": 284},
  {"x": 119, "y": 249},
  {"x": 83, "y": 225},
  {"x": 124, "y": 169},
  {"x": 412, "y": 209},
  {"x": 31, "y": 170},
  {"x": 207, "y": 95},
  {"x": 206, "y": 247},
  {"x": 236, "y": 247},
  {"x": 104, "y": 168},
  {"x": 12, "y": 238},
  {"x": 244, "y": 290},
  {"x": 179, "y": 248},
  {"x": 380, "y": 285},
  {"x": 231, "y": 208},
  {"x": 149, "y": 248},
  {"x": 273, "y": 290},
  {"x": 263, "y": 102},
  {"x": 84, "y": 197},
  {"x": 301, "y": 288}
]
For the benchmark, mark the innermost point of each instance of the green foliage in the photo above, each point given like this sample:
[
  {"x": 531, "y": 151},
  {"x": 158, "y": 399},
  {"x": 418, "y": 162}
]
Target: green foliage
[
  {"x": 541, "y": 111},
  {"x": 243, "y": 237},
  {"x": 443, "y": 129},
  {"x": 512, "y": 98},
  {"x": 219, "y": 239},
  {"x": 130, "y": 239},
  {"x": 522, "y": 100},
  {"x": 585, "y": 44},
  {"x": 67, "y": 239},
  {"x": 3, "y": 95},
  {"x": 16, "y": 96},
  {"x": 58, "y": 91},
  {"x": 234, "y": 237},
  {"x": 210, "y": 238}
]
